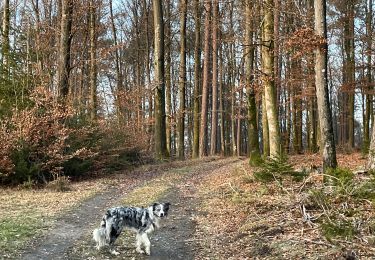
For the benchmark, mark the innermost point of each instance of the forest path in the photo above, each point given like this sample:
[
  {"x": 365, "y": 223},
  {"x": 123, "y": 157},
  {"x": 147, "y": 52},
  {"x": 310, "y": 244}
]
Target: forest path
[{"x": 70, "y": 238}]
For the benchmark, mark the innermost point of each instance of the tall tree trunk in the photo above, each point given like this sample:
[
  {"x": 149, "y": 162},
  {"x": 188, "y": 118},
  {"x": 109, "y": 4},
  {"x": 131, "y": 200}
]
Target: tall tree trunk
[
  {"x": 276, "y": 41},
  {"x": 93, "y": 64},
  {"x": 369, "y": 98},
  {"x": 322, "y": 93},
  {"x": 197, "y": 68},
  {"x": 5, "y": 47},
  {"x": 168, "y": 84},
  {"x": 221, "y": 103},
  {"x": 269, "y": 87},
  {"x": 253, "y": 143},
  {"x": 214, "y": 120},
  {"x": 349, "y": 67},
  {"x": 182, "y": 83},
  {"x": 119, "y": 77},
  {"x": 160, "y": 127},
  {"x": 64, "y": 48},
  {"x": 203, "y": 125}
]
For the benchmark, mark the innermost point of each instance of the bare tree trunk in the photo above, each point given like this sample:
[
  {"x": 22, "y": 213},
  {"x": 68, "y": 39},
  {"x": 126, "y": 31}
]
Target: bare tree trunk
[
  {"x": 253, "y": 144},
  {"x": 168, "y": 86},
  {"x": 214, "y": 120},
  {"x": 221, "y": 104},
  {"x": 5, "y": 47},
  {"x": 239, "y": 115},
  {"x": 93, "y": 65},
  {"x": 269, "y": 87},
  {"x": 119, "y": 77},
  {"x": 64, "y": 49},
  {"x": 369, "y": 98},
  {"x": 197, "y": 68},
  {"x": 160, "y": 127},
  {"x": 182, "y": 83},
  {"x": 349, "y": 66},
  {"x": 371, "y": 155},
  {"x": 324, "y": 108},
  {"x": 203, "y": 125}
]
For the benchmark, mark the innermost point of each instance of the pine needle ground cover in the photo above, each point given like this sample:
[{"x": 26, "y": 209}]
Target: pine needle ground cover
[{"x": 316, "y": 217}]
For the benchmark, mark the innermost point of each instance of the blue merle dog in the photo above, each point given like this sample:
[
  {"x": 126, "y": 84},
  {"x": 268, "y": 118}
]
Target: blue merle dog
[{"x": 141, "y": 220}]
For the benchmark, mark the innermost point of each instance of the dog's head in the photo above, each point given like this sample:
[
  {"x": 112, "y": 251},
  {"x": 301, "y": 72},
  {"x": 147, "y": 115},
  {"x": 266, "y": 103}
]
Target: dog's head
[{"x": 160, "y": 209}]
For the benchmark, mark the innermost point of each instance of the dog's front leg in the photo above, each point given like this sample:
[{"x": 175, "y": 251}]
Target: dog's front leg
[
  {"x": 139, "y": 243},
  {"x": 146, "y": 242}
]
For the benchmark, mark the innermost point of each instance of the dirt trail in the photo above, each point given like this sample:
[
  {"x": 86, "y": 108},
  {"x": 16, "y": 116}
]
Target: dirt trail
[{"x": 71, "y": 236}]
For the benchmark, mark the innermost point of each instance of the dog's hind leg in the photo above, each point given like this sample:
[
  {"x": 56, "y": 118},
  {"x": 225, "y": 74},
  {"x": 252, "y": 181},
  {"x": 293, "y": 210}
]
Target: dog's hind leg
[
  {"x": 112, "y": 249},
  {"x": 113, "y": 236}
]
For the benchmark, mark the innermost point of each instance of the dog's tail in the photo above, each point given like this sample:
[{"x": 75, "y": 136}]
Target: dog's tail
[{"x": 100, "y": 234}]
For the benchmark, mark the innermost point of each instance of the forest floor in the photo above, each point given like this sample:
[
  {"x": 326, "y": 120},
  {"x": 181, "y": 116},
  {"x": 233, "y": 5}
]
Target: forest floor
[{"x": 218, "y": 211}]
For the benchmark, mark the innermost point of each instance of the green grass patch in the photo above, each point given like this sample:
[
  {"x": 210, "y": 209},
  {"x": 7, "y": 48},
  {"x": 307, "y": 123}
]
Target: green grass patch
[{"x": 15, "y": 232}]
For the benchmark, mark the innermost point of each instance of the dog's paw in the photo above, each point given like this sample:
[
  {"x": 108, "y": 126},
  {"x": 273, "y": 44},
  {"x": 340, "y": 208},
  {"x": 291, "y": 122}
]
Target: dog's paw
[
  {"x": 139, "y": 250},
  {"x": 114, "y": 252},
  {"x": 148, "y": 252}
]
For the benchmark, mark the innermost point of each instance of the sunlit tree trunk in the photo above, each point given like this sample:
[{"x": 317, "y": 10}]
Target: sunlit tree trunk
[
  {"x": 268, "y": 79},
  {"x": 324, "y": 108},
  {"x": 160, "y": 127},
  {"x": 197, "y": 68},
  {"x": 204, "y": 110}
]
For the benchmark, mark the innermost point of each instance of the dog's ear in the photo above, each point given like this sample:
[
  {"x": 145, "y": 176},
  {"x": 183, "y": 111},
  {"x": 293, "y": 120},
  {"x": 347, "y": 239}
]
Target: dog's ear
[
  {"x": 166, "y": 205},
  {"x": 154, "y": 206}
]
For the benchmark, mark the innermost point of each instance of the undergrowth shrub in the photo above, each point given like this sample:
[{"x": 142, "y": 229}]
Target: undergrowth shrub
[
  {"x": 340, "y": 204},
  {"x": 338, "y": 228},
  {"x": 60, "y": 184},
  {"x": 277, "y": 168},
  {"x": 339, "y": 176},
  {"x": 123, "y": 146},
  {"x": 37, "y": 141}
]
